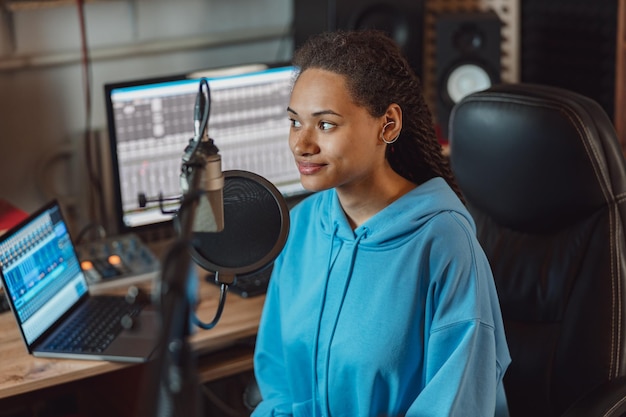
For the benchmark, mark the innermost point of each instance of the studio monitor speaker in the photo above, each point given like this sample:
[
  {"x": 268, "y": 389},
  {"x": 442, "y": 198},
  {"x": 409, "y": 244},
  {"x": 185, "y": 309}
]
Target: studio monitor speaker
[
  {"x": 401, "y": 19},
  {"x": 467, "y": 58}
]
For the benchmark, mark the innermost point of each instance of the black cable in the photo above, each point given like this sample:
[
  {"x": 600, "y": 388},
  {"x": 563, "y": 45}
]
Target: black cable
[
  {"x": 218, "y": 313},
  {"x": 203, "y": 109},
  {"x": 87, "y": 82}
]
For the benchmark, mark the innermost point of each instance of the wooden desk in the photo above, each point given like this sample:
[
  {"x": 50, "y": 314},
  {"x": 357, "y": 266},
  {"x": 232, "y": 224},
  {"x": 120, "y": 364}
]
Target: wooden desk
[{"x": 22, "y": 374}]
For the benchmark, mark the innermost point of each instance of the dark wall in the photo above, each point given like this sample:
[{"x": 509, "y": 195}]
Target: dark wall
[
  {"x": 571, "y": 44},
  {"x": 401, "y": 19}
]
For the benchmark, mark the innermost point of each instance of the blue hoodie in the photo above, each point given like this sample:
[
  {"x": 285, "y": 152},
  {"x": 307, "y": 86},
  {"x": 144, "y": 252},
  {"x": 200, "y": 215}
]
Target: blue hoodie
[{"x": 398, "y": 317}]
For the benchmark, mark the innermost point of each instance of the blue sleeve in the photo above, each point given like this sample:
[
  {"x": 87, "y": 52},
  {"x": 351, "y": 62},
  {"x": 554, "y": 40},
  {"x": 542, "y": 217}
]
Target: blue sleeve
[
  {"x": 269, "y": 365},
  {"x": 465, "y": 352},
  {"x": 462, "y": 379}
]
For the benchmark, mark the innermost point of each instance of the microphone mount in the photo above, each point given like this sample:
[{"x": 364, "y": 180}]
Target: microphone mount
[{"x": 144, "y": 200}]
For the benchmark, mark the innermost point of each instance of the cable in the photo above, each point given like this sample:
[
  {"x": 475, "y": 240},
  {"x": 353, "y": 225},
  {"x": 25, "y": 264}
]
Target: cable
[
  {"x": 218, "y": 313},
  {"x": 86, "y": 67},
  {"x": 202, "y": 110}
]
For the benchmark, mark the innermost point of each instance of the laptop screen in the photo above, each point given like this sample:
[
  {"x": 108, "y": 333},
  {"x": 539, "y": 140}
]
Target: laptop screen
[{"x": 40, "y": 271}]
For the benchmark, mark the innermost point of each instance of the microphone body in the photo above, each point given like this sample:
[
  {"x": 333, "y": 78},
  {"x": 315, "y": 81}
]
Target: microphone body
[
  {"x": 202, "y": 158},
  {"x": 210, "y": 212},
  {"x": 207, "y": 164}
]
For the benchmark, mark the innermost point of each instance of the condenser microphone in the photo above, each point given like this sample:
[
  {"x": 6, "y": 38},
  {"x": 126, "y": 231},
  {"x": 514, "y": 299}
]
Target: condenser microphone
[
  {"x": 209, "y": 215},
  {"x": 203, "y": 156}
]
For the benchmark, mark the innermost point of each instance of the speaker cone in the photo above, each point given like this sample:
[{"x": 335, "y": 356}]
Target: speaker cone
[{"x": 466, "y": 79}]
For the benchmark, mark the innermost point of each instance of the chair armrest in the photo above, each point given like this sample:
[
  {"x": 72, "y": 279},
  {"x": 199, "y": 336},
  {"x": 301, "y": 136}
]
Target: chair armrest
[{"x": 606, "y": 400}]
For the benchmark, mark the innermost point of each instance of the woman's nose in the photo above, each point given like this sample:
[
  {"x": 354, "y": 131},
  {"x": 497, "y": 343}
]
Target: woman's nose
[{"x": 303, "y": 143}]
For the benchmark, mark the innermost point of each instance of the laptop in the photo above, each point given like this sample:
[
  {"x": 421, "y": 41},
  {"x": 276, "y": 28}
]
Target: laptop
[{"x": 47, "y": 292}]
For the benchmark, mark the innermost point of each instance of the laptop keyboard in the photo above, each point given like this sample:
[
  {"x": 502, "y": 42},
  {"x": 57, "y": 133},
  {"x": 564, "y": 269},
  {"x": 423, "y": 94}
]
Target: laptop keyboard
[{"x": 95, "y": 326}]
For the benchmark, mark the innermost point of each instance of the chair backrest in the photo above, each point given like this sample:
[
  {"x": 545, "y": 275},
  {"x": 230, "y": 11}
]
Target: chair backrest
[{"x": 544, "y": 176}]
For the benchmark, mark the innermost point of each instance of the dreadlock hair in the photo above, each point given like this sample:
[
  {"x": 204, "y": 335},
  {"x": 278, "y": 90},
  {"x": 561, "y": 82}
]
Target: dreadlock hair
[{"x": 377, "y": 75}]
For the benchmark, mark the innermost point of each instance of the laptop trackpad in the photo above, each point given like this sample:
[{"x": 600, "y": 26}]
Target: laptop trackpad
[{"x": 140, "y": 339}]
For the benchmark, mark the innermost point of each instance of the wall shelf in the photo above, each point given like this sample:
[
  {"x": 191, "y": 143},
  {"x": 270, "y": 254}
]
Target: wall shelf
[{"x": 18, "y": 5}]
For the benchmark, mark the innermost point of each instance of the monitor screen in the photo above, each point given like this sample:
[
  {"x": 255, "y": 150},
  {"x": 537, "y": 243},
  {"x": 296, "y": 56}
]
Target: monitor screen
[{"x": 151, "y": 122}]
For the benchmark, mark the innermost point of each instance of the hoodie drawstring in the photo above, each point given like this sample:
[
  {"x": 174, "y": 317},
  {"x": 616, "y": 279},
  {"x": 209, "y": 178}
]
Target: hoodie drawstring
[
  {"x": 319, "y": 319},
  {"x": 342, "y": 299}
]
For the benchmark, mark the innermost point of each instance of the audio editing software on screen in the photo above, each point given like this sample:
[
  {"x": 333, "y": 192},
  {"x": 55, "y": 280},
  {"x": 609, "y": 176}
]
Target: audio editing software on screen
[{"x": 153, "y": 124}]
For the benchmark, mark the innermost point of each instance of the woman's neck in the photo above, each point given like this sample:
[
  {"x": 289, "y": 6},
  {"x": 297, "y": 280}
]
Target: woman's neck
[{"x": 362, "y": 201}]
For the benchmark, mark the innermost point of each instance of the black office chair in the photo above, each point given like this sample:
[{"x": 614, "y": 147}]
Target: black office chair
[{"x": 544, "y": 177}]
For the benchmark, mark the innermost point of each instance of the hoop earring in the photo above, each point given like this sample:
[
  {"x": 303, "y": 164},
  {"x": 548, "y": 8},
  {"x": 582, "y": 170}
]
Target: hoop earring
[{"x": 382, "y": 134}]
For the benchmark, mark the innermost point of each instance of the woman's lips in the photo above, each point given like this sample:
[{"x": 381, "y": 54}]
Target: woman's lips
[{"x": 309, "y": 168}]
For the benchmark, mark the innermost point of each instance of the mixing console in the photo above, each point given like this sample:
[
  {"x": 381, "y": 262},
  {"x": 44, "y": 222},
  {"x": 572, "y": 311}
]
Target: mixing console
[{"x": 117, "y": 262}]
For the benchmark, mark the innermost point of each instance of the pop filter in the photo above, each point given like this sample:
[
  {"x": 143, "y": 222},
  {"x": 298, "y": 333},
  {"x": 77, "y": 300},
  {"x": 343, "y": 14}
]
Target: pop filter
[{"x": 256, "y": 225}]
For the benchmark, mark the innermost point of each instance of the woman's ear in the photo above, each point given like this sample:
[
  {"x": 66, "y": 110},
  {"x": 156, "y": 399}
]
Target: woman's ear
[{"x": 392, "y": 122}]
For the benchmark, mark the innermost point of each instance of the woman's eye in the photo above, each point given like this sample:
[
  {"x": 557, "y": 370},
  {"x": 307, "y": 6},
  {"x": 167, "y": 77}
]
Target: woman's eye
[
  {"x": 295, "y": 123},
  {"x": 326, "y": 125}
]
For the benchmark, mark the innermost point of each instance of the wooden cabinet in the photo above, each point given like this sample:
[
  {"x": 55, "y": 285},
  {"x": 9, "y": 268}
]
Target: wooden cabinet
[{"x": 620, "y": 75}]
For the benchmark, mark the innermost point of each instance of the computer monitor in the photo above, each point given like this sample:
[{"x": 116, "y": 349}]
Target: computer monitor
[{"x": 151, "y": 121}]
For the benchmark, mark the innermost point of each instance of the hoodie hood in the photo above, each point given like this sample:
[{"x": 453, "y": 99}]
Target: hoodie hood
[{"x": 403, "y": 216}]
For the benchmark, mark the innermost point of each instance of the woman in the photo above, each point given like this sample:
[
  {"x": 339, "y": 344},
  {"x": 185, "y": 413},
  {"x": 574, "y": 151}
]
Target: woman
[{"x": 382, "y": 302}]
